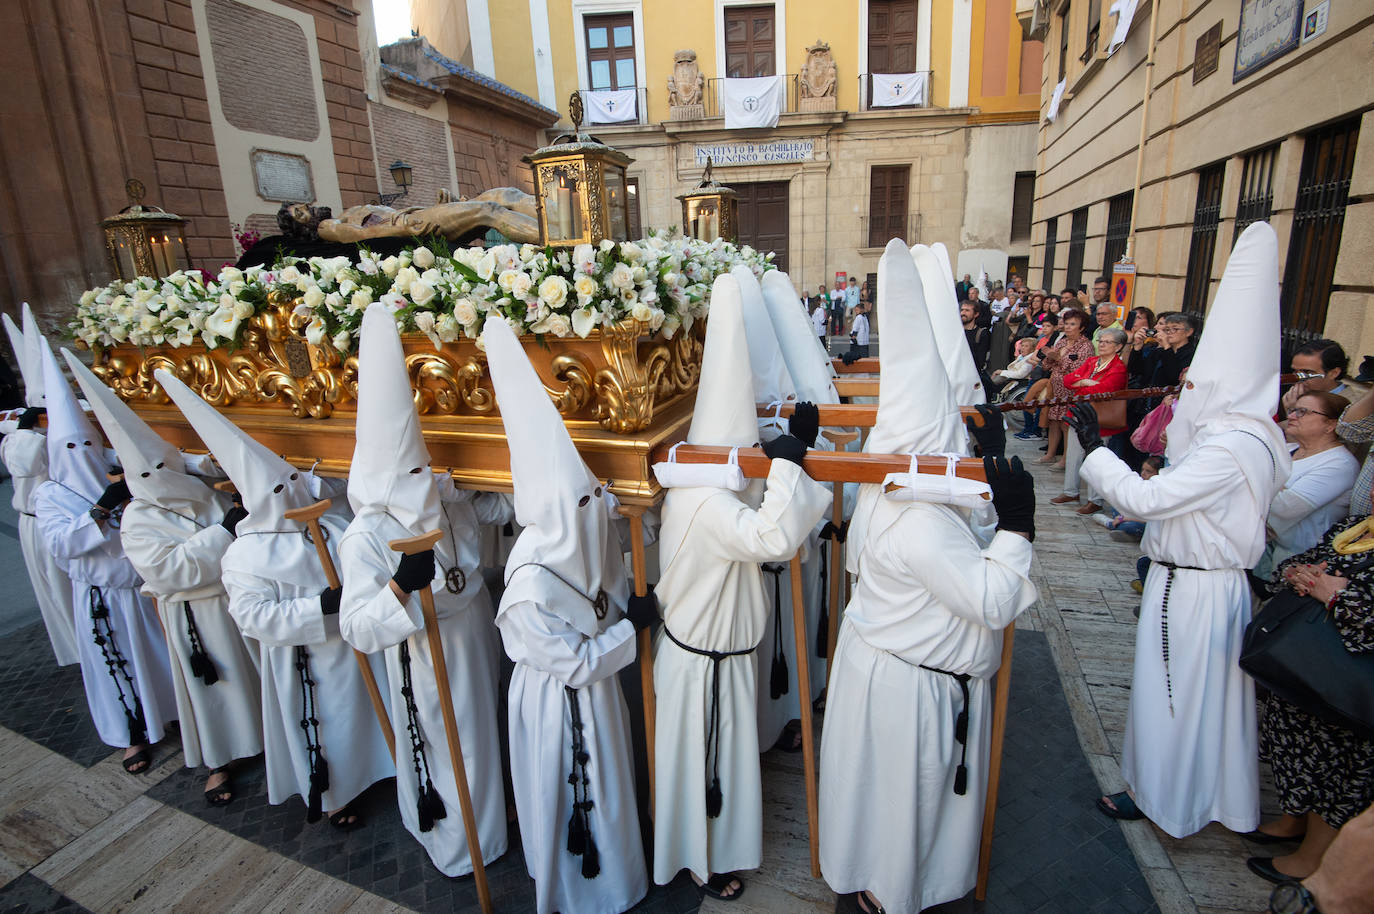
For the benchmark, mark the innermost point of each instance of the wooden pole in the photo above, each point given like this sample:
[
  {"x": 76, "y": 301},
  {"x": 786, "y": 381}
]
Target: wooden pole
[
  {"x": 410, "y": 546},
  {"x": 999, "y": 732},
  {"x": 822, "y": 466},
  {"x": 832, "y": 635},
  {"x": 807, "y": 731},
  {"x": 310, "y": 516},
  {"x": 646, "y": 642}
]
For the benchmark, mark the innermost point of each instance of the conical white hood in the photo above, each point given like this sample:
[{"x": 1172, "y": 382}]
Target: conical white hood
[
  {"x": 917, "y": 413},
  {"x": 153, "y": 469},
  {"x": 21, "y": 358},
  {"x": 1233, "y": 382},
  {"x": 76, "y": 452},
  {"x": 772, "y": 382},
  {"x": 390, "y": 473},
  {"x": 558, "y": 503},
  {"x": 268, "y": 485},
  {"x": 724, "y": 415},
  {"x": 34, "y": 344},
  {"x": 943, "y": 307},
  {"x": 808, "y": 363}
]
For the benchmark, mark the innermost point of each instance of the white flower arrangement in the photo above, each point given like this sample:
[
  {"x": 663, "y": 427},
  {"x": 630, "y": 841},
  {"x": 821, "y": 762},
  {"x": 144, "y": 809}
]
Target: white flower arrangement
[{"x": 662, "y": 280}]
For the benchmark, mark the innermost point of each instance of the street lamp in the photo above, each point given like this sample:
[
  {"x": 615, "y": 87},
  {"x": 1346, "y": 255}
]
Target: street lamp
[
  {"x": 144, "y": 240},
  {"x": 400, "y": 173}
]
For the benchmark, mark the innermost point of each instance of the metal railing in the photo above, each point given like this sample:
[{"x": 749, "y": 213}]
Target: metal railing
[
  {"x": 640, "y": 114},
  {"x": 713, "y": 102},
  {"x": 866, "y": 93},
  {"x": 911, "y": 235}
]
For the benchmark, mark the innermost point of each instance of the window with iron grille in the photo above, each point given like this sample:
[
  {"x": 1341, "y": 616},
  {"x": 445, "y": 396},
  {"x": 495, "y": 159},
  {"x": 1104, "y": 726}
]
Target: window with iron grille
[
  {"x": 1022, "y": 202},
  {"x": 1328, "y": 158},
  {"x": 1051, "y": 233},
  {"x": 1118, "y": 230},
  {"x": 1078, "y": 237},
  {"x": 887, "y": 202},
  {"x": 1202, "y": 248},
  {"x": 1256, "y": 189}
]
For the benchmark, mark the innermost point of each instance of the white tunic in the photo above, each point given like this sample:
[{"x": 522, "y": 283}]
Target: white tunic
[
  {"x": 25, "y": 453},
  {"x": 550, "y": 655},
  {"x": 1196, "y": 763},
  {"x": 712, "y": 598},
  {"x": 180, "y": 563},
  {"x": 94, "y": 561},
  {"x": 274, "y": 582},
  {"x": 927, "y": 595},
  {"x": 375, "y": 622}
]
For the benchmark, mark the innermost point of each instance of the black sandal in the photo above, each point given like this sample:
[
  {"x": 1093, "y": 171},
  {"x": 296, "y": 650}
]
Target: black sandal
[
  {"x": 223, "y": 793},
  {"x": 1119, "y": 806},
  {"x": 141, "y": 762},
  {"x": 340, "y": 819},
  {"x": 791, "y": 738},
  {"x": 717, "y": 884},
  {"x": 861, "y": 904}
]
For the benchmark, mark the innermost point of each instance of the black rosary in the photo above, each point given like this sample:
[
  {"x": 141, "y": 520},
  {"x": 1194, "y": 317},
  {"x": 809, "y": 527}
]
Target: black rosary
[
  {"x": 429, "y": 805},
  {"x": 117, "y": 666},
  {"x": 310, "y": 725}
]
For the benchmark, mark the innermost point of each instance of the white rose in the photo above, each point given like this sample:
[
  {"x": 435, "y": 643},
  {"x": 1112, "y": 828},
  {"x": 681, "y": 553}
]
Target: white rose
[
  {"x": 631, "y": 252},
  {"x": 622, "y": 277},
  {"x": 88, "y": 298},
  {"x": 287, "y": 275},
  {"x": 315, "y": 331},
  {"x": 447, "y": 328},
  {"x": 671, "y": 324},
  {"x": 404, "y": 278},
  {"x": 333, "y": 301},
  {"x": 313, "y": 298},
  {"x": 243, "y": 310},
  {"x": 642, "y": 312},
  {"x": 394, "y": 301},
  {"x": 390, "y": 266},
  {"x": 585, "y": 287},
  {"x": 423, "y": 258},
  {"x": 656, "y": 319},
  {"x": 368, "y": 265},
  {"x": 341, "y": 341},
  {"x": 465, "y": 312},
  {"x": 424, "y": 322},
  {"x": 553, "y": 324},
  {"x": 516, "y": 282},
  {"x": 553, "y": 291},
  {"x": 640, "y": 274},
  {"x": 421, "y": 292},
  {"x": 229, "y": 274},
  {"x": 360, "y": 300},
  {"x": 486, "y": 266},
  {"x": 606, "y": 245}
]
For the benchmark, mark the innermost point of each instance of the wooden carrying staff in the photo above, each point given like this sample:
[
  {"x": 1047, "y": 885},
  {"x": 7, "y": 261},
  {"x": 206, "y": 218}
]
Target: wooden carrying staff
[
  {"x": 646, "y": 642},
  {"x": 410, "y": 546},
  {"x": 310, "y": 516}
]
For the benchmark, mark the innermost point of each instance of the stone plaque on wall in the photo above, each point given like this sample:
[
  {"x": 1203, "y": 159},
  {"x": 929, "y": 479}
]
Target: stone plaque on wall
[
  {"x": 1206, "y": 54},
  {"x": 1268, "y": 30},
  {"x": 764, "y": 153},
  {"x": 282, "y": 178}
]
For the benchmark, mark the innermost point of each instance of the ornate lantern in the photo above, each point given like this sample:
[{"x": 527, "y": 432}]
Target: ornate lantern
[
  {"x": 580, "y": 188},
  {"x": 144, "y": 240},
  {"x": 711, "y": 210}
]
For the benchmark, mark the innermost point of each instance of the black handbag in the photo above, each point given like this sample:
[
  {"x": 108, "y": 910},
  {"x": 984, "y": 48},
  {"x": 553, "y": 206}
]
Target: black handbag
[{"x": 1293, "y": 648}]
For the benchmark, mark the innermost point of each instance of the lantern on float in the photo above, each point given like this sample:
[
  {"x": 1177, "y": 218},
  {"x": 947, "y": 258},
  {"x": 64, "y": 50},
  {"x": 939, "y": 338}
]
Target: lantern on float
[
  {"x": 710, "y": 210},
  {"x": 144, "y": 240},
  {"x": 580, "y": 188}
]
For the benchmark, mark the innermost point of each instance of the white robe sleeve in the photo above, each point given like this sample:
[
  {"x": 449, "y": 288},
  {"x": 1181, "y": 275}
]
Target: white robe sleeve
[
  {"x": 1203, "y": 477},
  {"x": 545, "y": 642},
  {"x": 989, "y": 587},
  {"x": 261, "y": 613},
  {"x": 176, "y": 566},
  {"x": 370, "y": 617},
  {"x": 67, "y": 534},
  {"x": 792, "y": 504},
  {"x": 1304, "y": 494}
]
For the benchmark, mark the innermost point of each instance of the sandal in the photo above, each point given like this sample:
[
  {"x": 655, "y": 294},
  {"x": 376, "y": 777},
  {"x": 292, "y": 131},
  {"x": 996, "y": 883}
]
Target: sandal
[
  {"x": 222, "y": 794},
  {"x": 1119, "y": 806},
  {"x": 140, "y": 762},
  {"x": 346, "y": 819},
  {"x": 862, "y": 900},
  {"x": 791, "y": 738},
  {"x": 717, "y": 884}
]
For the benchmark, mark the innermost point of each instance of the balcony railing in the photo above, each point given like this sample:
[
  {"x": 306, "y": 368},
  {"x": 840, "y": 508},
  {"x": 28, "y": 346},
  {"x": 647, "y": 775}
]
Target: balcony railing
[
  {"x": 713, "y": 102},
  {"x": 908, "y": 229},
  {"x": 898, "y": 95},
  {"x": 638, "y": 112}
]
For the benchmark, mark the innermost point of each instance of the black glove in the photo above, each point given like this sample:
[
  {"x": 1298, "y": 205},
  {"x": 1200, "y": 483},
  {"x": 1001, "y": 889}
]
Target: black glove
[
  {"x": 1083, "y": 418},
  {"x": 850, "y": 357},
  {"x": 805, "y": 422},
  {"x": 991, "y": 437},
  {"x": 29, "y": 417},
  {"x": 643, "y": 611},
  {"x": 415, "y": 572},
  {"x": 1013, "y": 495},
  {"x": 115, "y": 494},
  {"x": 785, "y": 447},
  {"x": 329, "y": 600},
  {"x": 232, "y": 518}
]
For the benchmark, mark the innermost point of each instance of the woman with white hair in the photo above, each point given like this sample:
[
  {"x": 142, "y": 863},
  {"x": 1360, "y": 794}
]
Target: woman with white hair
[{"x": 1104, "y": 374}]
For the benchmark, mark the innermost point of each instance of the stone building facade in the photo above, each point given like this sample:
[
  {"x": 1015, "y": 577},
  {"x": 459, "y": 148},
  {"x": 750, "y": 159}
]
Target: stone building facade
[{"x": 1248, "y": 120}]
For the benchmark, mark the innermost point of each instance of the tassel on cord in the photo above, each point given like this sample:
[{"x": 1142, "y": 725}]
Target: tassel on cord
[
  {"x": 577, "y": 832},
  {"x": 314, "y": 806},
  {"x": 591, "y": 859},
  {"x": 434, "y": 802},
  {"x": 714, "y": 800},
  {"x": 777, "y": 679},
  {"x": 202, "y": 667},
  {"x": 422, "y": 808}
]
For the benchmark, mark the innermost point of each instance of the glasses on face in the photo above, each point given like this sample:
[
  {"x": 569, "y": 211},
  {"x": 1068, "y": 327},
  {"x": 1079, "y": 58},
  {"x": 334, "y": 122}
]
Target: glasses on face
[{"x": 1298, "y": 412}]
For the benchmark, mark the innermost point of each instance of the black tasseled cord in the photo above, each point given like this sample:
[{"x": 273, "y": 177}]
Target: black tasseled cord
[
  {"x": 960, "y": 728},
  {"x": 823, "y": 623},
  {"x": 580, "y": 840},
  {"x": 428, "y": 803},
  {"x": 202, "y": 666},
  {"x": 117, "y": 666},
  {"x": 310, "y": 726},
  {"x": 777, "y": 679}
]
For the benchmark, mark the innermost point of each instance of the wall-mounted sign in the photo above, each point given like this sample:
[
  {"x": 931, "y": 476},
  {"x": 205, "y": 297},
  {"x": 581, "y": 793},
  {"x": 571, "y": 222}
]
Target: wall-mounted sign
[
  {"x": 1206, "y": 54},
  {"x": 762, "y": 153},
  {"x": 1314, "y": 20},
  {"x": 282, "y": 177},
  {"x": 1268, "y": 30}
]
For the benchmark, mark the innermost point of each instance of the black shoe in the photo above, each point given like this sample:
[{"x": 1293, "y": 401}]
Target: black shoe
[
  {"x": 1121, "y": 807},
  {"x": 1259, "y": 837},
  {"x": 1264, "y": 868},
  {"x": 1045, "y": 448}
]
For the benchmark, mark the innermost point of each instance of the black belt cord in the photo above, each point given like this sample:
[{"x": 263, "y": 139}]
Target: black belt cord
[
  {"x": 715, "y": 798},
  {"x": 117, "y": 666},
  {"x": 310, "y": 725},
  {"x": 960, "y": 729},
  {"x": 777, "y": 679},
  {"x": 1164, "y": 624},
  {"x": 837, "y": 535},
  {"x": 429, "y": 805},
  {"x": 201, "y": 665},
  {"x": 580, "y": 842}
]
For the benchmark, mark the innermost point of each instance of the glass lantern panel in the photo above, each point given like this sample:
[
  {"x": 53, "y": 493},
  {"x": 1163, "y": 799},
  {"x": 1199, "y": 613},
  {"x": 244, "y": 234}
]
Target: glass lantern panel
[
  {"x": 562, "y": 206},
  {"x": 124, "y": 255},
  {"x": 618, "y": 226},
  {"x": 707, "y": 223},
  {"x": 181, "y": 260}
]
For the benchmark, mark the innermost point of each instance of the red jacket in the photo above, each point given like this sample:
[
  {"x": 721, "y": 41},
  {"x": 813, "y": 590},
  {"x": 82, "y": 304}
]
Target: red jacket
[{"x": 1109, "y": 380}]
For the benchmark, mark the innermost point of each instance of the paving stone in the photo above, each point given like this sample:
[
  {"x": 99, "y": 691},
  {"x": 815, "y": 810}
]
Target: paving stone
[
  {"x": 43, "y": 701},
  {"x": 31, "y": 895}
]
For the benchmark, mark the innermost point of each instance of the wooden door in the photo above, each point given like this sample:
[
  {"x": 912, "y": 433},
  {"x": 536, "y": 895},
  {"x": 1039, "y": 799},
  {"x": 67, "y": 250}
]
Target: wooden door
[
  {"x": 887, "y": 203},
  {"x": 750, "y": 41},
  {"x": 763, "y": 218},
  {"x": 892, "y": 36}
]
